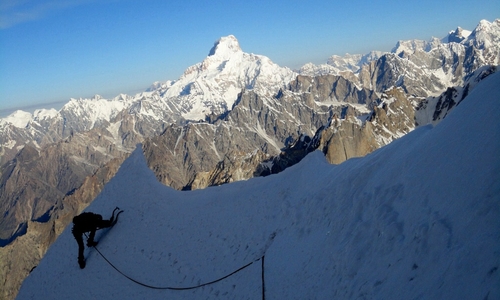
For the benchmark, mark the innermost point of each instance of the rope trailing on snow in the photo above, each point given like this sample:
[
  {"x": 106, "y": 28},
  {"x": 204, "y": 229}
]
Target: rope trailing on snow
[
  {"x": 190, "y": 287},
  {"x": 263, "y": 281}
]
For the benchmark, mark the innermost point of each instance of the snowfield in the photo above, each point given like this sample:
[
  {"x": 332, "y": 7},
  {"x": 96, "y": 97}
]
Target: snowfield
[{"x": 417, "y": 219}]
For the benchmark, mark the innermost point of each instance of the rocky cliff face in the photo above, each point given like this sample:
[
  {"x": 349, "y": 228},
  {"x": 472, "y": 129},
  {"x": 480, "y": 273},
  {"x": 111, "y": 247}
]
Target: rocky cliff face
[
  {"x": 18, "y": 258},
  {"x": 36, "y": 179},
  {"x": 432, "y": 110},
  {"x": 264, "y": 135},
  {"x": 42, "y": 188},
  {"x": 351, "y": 137},
  {"x": 256, "y": 126}
]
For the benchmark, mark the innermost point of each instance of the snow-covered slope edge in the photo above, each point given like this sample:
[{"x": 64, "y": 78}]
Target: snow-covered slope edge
[{"x": 418, "y": 218}]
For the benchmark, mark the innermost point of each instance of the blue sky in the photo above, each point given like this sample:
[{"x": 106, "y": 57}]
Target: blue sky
[{"x": 51, "y": 50}]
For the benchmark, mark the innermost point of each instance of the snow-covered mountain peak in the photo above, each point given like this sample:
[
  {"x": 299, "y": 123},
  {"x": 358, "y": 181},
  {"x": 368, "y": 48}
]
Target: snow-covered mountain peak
[
  {"x": 485, "y": 25},
  {"x": 311, "y": 69},
  {"x": 485, "y": 35},
  {"x": 456, "y": 36},
  {"x": 18, "y": 119},
  {"x": 348, "y": 61},
  {"x": 225, "y": 46},
  {"x": 408, "y": 47},
  {"x": 44, "y": 114},
  {"x": 352, "y": 62},
  {"x": 213, "y": 85},
  {"x": 336, "y": 64},
  {"x": 225, "y": 49},
  {"x": 86, "y": 112}
]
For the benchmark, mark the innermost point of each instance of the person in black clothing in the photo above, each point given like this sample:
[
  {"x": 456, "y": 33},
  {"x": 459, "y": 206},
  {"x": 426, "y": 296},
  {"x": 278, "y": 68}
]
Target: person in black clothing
[{"x": 89, "y": 222}]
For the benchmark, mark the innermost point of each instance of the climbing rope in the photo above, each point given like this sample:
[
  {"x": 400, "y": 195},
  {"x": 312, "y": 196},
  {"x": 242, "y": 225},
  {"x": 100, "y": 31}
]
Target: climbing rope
[
  {"x": 185, "y": 288},
  {"x": 263, "y": 281}
]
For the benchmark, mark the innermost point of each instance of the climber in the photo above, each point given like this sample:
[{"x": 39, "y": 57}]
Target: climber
[{"x": 90, "y": 222}]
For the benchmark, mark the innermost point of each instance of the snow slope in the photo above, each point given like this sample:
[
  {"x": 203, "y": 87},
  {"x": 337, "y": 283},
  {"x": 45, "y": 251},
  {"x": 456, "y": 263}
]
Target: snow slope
[{"x": 417, "y": 219}]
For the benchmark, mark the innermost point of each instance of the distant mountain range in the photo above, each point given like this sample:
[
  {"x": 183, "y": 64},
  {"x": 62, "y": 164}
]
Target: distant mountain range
[{"x": 231, "y": 117}]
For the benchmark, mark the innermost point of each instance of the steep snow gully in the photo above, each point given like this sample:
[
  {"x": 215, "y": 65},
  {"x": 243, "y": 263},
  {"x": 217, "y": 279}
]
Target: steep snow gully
[{"x": 419, "y": 218}]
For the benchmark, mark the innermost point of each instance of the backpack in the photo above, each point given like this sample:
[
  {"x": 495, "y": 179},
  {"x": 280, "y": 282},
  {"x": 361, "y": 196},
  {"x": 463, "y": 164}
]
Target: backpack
[{"x": 87, "y": 220}]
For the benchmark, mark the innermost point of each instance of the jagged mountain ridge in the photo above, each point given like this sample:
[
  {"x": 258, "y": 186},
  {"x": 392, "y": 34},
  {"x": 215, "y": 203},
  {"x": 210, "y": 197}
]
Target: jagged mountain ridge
[
  {"x": 256, "y": 126},
  {"x": 206, "y": 88},
  {"x": 151, "y": 113},
  {"x": 264, "y": 135},
  {"x": 261, "y": 135},
  {"x": 422, "y": 68},
  {"x": 340, "y": 65}
]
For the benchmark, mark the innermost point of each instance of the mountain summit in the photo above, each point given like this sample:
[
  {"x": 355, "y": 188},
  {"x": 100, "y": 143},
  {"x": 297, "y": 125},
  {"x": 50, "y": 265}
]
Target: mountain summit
[
  {"x": 225, "y": 46},
  {"x": 212, "y": 86},
  {"x": 456, "y": 36}
]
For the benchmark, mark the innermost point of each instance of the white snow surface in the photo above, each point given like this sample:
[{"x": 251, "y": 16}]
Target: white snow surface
[
  {"x": 18, "y": 119},
  {"x": 97, "y": 108},
  {"x": 416, "y": 219},
  {"x": 44, "y": 114},
  {"x": 336, "y": 64}
]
